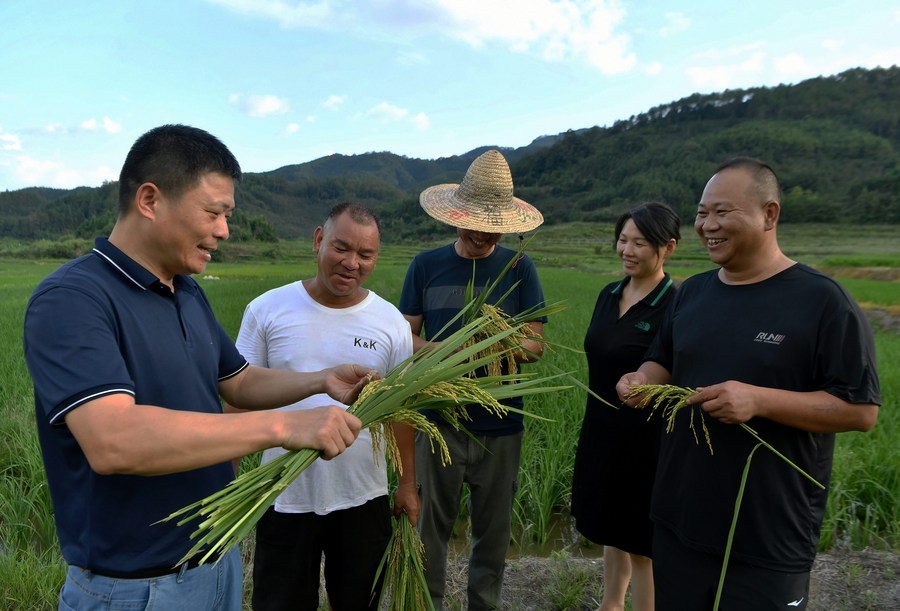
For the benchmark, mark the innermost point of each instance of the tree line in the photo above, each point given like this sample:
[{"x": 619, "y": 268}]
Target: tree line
[{"x": 834, "y": 142}]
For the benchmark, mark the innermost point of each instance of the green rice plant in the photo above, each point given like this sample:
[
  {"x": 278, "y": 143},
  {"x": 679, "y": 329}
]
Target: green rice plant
[
  {"x": 734, "y": 519},
  {"x": 571, "y": 586},
  {"x": 228, "y": 515},
  {"x": 402, "y": 566},
  {"x": 30, "y": 581},
  {"x": 863, "y": 507},
  {"x": 864, "y": 495}
]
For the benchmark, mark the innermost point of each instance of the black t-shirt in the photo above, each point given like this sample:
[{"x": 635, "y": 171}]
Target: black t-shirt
[{"x": 798, "y": 330}]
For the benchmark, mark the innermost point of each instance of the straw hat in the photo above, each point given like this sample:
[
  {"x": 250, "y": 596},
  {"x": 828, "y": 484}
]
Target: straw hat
[{"x": 483, "y": 201}]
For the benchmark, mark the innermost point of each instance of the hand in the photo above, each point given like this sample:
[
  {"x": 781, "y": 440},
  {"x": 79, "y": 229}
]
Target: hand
[
  {"x": 730, "y": 402},
  {"x": 330, "y": 429},
  {"x": 406, "y": 500},
  {"x": 344, "y": 382},
  {"x": 623, "y": 387}
]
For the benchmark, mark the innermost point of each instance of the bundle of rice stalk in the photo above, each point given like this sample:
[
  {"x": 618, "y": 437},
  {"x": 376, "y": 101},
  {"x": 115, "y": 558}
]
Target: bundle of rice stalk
[
  {"x": 435, "y": 379},
  {"x": 670, "y": 399},
  {"x": 404, "y": 584},
  {"x": 509, "y": 350}
]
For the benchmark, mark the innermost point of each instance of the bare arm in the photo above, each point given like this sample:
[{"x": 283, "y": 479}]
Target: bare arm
[
  {"x": 818, "y": 412},
  {"x": 119, "y": 436},
  {"x": 534, "y": 347},
  {"x": 406, "y": 497},
  {"x": 415, "y": 325},
  {"x": 263, "y": 388}
]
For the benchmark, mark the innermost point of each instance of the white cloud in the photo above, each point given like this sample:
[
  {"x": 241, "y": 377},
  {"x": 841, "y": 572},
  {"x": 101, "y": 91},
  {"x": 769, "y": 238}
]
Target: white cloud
[
  {"x": 556, "y": 31},
  {"x": 33, "y": 171},
  {"x": 292, "y": 128},
  {"x": 259, "y": 105},
  {"x": 103, "y": 173},
  {"x": 653, "y": 69},
  {"x": 110, "y": 126},
  {"x": 49, "y": 173},
  {"x": 718, "y": 69},
  {"x": 288, "y": 14},
  {"x": 420, "y": 121},
  {"x": 716, "y": 54},
  {"x": 412, "y": 58},
  {"x": 676, "y": 23},
  {"x": 792, "y": 65},
  {"x": 88, "y": 125},
  {"x": 728, "y": 75},
  {"x": 833, "y": 44},
  {"x": 387, "y": 112},
  {"x": 334, "y": 102},
  {"x": 9, "y": 142}
]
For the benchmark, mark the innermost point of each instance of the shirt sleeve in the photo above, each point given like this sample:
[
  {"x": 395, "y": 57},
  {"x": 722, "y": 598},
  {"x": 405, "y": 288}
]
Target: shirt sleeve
[
  {"x": 661, "y": 348},
  {"x": 402, "y": 346},
  {"x": 845, "y": 358},
  {"x": 531, "y": 295},
  {"x": 251, "y": 340},
  {"x": 411, "y": 297},
  {"x": 72, "y": 352}
]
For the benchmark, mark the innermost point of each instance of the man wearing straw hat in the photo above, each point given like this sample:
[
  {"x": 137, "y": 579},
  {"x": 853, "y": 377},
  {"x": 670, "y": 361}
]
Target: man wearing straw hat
[{"x": 486, "y": 455}]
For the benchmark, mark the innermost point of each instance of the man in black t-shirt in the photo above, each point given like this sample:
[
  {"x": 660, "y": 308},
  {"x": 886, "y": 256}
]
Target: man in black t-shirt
[{"x": 773, "y": 343}]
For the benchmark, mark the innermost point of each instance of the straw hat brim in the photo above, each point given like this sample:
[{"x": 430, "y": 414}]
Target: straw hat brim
[{"x": 442, "y": 203}]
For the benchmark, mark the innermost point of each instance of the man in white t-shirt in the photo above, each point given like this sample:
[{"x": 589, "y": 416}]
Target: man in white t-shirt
[{"x": 340, "y": 507}]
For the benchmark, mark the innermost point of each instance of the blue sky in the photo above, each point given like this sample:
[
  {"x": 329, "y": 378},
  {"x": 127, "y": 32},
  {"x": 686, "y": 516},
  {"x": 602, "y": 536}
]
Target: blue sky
[{"x": 287, "y": 81}]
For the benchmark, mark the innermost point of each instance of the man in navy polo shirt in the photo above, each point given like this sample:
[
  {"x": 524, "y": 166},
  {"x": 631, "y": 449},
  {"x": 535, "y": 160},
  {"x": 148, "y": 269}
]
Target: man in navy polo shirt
[{"x": 129, "y": 364}]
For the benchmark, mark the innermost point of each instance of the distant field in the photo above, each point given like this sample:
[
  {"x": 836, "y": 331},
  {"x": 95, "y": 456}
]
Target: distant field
[{"x": 574, "y": 263}]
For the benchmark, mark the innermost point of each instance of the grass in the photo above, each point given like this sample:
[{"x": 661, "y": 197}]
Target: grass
[
  {"x": 574, "y": 263},
  {"x": 572, "y": 587}
]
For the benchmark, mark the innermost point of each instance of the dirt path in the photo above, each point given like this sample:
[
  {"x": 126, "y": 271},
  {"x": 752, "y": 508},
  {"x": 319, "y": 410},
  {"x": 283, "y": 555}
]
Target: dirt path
[{"x": 841, "y": 581}]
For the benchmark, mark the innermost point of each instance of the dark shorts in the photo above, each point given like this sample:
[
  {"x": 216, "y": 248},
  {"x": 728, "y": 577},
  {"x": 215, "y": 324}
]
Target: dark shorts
[
  {"x": 288, "y": 557},
  {"x": 686, "y": 580}
]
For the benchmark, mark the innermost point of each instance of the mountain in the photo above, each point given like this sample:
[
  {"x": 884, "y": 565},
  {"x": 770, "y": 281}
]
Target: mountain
[{"x": 834, "y": 141}]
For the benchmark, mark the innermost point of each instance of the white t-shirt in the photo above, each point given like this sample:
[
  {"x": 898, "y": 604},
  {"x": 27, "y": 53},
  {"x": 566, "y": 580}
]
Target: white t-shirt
[{"x": 286, "y": 329}]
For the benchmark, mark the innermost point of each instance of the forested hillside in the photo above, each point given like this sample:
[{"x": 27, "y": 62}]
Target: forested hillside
[{"x": 835, "y": 142}]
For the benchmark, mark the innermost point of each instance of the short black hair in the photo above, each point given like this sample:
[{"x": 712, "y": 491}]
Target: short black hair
[
  {"x": 358, "y": 212},
  {"x": 174, "y": 158},
  {"x": 764, "y": 177},
  {"x": 656, "y": 221}
]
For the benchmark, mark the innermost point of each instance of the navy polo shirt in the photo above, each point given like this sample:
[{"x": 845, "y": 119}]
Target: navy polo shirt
[
  {"x": 99, "y": 325},
  {"x": 435, "y": 288}
]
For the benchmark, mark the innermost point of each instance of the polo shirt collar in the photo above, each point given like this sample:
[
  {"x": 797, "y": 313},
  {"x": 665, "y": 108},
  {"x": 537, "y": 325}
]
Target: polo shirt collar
[
  {"x": 128, "y": 267},
  {"x": 653, "y": 298}
]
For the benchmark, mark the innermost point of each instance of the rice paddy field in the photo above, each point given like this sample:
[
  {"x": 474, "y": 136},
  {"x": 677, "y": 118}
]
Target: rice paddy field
[{"x": 574, "y": 262}]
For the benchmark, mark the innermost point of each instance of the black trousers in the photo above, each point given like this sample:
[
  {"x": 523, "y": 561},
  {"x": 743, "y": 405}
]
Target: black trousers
[
  {"x": 288, "y": 558},
  {"x": 686, "y": 580}
]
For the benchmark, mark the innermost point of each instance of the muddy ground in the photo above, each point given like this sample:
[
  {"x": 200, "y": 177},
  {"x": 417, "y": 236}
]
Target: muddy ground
[{"x": 841, "y": 581}]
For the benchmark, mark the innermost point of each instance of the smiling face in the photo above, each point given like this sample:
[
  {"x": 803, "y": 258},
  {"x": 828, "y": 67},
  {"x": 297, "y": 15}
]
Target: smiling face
[
  {"x": 188, "y": 228},
  {"x": 735, "y": 222},
  {"x": 640, "y": 259},
  {"x": 346, "y": 251},
  {"x": 476, "y": 244}
]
